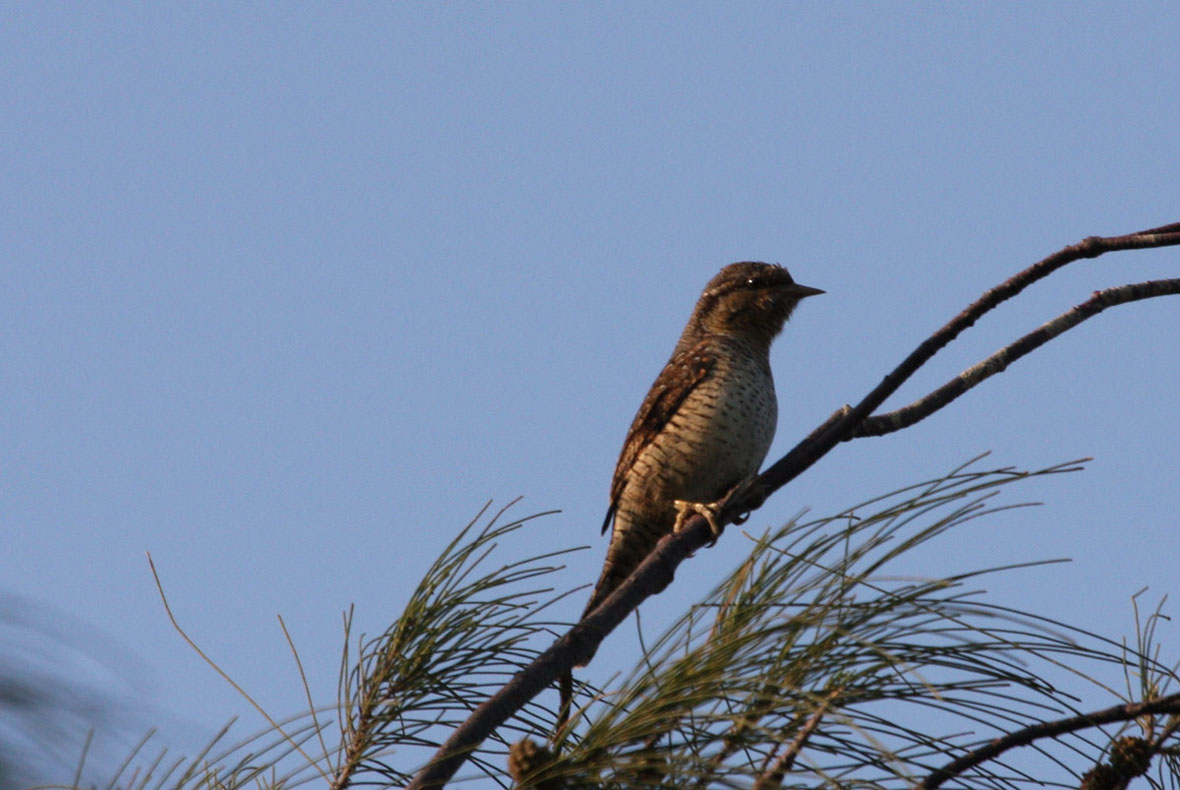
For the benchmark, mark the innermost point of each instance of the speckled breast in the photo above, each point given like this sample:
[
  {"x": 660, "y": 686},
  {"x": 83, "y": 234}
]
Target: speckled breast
[{"x": 721, "y": 433}]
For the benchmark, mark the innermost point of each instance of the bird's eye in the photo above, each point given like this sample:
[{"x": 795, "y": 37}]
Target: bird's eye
[{"x": 753, "y": 282}]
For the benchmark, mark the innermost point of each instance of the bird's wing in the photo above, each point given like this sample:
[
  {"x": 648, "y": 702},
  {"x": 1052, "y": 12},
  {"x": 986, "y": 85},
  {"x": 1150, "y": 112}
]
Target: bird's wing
[{"x": 684, "y": 371}]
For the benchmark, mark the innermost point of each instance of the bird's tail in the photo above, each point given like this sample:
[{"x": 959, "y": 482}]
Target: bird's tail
[{"x": 629, "y": 545}]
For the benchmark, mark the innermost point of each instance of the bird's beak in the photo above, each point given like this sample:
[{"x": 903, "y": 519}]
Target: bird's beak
[{"x": 799, "y": 291}]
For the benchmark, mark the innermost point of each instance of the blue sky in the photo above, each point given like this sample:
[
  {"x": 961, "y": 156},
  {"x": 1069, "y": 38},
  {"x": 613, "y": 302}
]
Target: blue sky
[{"x": 289, "y": 291}]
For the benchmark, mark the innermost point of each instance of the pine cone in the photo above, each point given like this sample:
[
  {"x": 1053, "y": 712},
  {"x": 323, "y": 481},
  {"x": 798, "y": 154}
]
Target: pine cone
[
  {"x": 526, "y": 758},
  {"x": 1131, "y": 756},
  {"x": 1101, "y": 777}
]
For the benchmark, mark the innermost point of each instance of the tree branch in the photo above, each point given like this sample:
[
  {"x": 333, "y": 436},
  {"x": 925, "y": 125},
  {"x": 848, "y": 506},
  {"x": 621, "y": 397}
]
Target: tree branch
[
  {"x": 655, "y": 572},
  {"x": 879, "y": 425},
  {"x": 1050, "y": 729}
]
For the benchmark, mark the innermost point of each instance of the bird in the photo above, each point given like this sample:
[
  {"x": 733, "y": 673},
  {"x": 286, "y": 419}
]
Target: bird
[{"x": 707, "y": 421}]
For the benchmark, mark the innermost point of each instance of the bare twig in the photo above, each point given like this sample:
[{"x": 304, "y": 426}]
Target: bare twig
[
  {"x": 1049, "y": 729},
  {"x": 656, "y": 571},
  {"x": 879, "y": 425}
]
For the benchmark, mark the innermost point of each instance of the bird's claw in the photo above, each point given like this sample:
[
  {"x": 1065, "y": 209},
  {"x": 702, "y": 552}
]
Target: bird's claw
[{"x": 686, "y": 510}]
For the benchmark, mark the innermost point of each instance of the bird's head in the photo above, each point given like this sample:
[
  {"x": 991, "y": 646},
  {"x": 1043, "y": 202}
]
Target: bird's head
[{"x": 748, "y": 300}]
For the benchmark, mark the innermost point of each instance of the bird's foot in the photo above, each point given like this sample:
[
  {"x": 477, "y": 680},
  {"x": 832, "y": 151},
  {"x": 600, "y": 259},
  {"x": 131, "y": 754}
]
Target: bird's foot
[{"x": 686, "y": 510}]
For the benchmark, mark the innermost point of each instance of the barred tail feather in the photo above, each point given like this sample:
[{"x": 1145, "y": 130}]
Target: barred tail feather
[{"x": 630, "y": 544}]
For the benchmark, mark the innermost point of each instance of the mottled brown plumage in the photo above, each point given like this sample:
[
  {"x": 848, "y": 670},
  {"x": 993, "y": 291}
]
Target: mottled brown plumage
[{"x": 708, "y": 420}]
